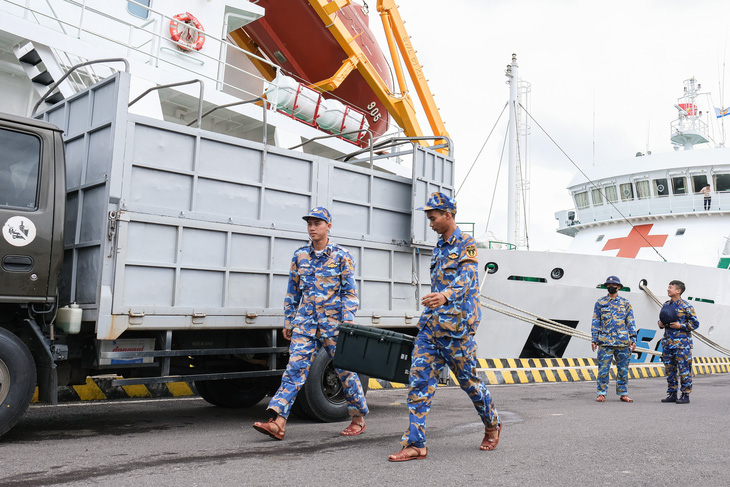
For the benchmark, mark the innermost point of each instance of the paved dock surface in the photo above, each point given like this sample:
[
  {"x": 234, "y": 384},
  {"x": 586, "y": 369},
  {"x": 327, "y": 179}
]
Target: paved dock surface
[{"x": 554, "y": 434}]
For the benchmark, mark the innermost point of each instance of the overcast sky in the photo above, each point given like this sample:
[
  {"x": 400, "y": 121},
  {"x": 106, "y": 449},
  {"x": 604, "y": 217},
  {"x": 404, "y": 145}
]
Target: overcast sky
[{"x": 621, "y": 63}]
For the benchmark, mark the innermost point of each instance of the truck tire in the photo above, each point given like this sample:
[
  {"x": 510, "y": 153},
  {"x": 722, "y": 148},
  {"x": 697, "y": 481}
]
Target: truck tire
[
  {"x": 322, "y": 397},
  {"x": 17, "y": 379},
  {"x": 231, "y": 393}
]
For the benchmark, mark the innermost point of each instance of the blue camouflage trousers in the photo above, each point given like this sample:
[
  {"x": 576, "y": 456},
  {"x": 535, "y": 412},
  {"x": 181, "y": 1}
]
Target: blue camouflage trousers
[
  {"x": 622, "y": 355},
  {"x": 302, "y": 351},
  {"x": 430, "y": 354},
  {"x": 678, "y": 360}
]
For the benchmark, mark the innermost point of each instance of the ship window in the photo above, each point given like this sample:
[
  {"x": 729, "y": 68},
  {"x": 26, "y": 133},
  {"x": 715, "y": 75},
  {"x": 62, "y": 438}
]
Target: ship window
[
  {"x": 722, "y": 182},
  {"x": 642, "y": 189},
  {"x": 680, "y": 231},
  {"x": 699, "y": 182},
  {"x": 139, "y": 8},
  {"x": 19, "y": 163},
  {"x": 660, "y": 187},
  {"x": 597, "y": 197},
  {"x": 581, "y": 200},
  {"x": 599, "y": 238},
  {"x": 679, "y": 185},
  {"x": 627, "y": 192},
  {"x": 611, "y": 194}
]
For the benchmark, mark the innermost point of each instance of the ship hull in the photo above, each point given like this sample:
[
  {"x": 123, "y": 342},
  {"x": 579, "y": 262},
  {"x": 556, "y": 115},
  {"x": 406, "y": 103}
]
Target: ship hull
[{"x": 528, "y": 281}]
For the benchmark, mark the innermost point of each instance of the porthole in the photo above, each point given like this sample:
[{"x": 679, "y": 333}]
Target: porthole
[
  {"x": 557, "y": 273},
  {"x": 491, "y": 267}
]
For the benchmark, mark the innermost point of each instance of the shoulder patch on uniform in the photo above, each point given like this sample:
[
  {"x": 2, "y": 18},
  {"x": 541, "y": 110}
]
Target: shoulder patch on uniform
[{"x": 471, "y": 250}]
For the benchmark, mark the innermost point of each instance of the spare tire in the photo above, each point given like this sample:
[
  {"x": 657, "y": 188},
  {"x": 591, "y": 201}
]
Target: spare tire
[{"x": 322, "y": 398}]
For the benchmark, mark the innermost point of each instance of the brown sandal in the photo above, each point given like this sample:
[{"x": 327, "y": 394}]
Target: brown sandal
[
  {"x": 354, "y": 429},
  {"x": 489, "y": 444},
  {"x": 404, "y": 456},
  {"x": 626, "y": 398},
  {"x": 600, "y": 398},
  {"x": 265, "y": 428}
]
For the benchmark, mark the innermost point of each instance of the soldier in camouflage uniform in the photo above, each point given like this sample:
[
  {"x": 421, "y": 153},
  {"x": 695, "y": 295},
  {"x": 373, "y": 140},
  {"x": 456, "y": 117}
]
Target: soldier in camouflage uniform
[
  {"x": 613, "y": 333},
  {"x": 446, "y": 332},
  {"x": 677, "y": 344},
  {"x": 320, "y": 295}
]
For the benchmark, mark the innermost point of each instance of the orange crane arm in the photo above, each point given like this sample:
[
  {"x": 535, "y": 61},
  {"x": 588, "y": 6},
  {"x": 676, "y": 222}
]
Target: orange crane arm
[
  {"x": 400, "y": 107},
  {"x": 395, "y": 30}
]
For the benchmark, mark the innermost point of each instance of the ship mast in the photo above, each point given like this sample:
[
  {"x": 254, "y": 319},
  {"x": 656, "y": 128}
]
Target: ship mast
[
  {"x": 689, "y": 129},
  {"x": 513, "y": 203},
  {"x": 517, "y": 180}
]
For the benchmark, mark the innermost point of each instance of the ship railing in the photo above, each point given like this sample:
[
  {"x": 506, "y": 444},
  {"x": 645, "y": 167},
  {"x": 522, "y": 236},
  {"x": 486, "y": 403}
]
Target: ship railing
[
  {"x": 653, "y": 206},
  {"x": 496, "y": 244},
  {"x": 690, "y": 125},
  {"x": 71, "y": 71},
  {"x": 146, "y": 41},
  {"x": 398, "y": 150},
  {"x": 77, "y": 19}
]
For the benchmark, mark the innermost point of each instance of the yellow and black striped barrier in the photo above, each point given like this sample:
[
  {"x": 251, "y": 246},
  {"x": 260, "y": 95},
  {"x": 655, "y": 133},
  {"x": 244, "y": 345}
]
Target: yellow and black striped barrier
[
  {"x": 491, "y": 371},
  {"x": 101, "y": 388},
  {"x": 526, "y": 371}
]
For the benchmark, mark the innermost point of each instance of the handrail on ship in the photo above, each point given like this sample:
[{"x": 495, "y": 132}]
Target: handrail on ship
[
  {"x": 235, "y": 103},
  {"x": 710, "y": 343},
  {"x": 171, "y": 85},
  {"x": 158, "y": 36},
  {"x": 370, "y": 141},
  {"x": 396, "y": 141},
  {"x": 74, "y": 68},
  {"x": 86, "y": 29}
]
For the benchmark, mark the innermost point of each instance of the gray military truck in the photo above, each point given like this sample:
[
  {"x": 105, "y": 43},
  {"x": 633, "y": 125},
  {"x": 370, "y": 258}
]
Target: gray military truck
[{"x": 173, "y": 244}]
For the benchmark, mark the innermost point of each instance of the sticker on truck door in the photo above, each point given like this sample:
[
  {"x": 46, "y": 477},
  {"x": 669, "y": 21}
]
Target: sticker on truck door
[{"x": 19, "y": 231}]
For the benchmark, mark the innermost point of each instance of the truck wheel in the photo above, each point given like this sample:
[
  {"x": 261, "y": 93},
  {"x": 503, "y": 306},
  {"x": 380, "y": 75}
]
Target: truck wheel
[
  {"x": 17, "y": 379},
  {"x": 231, "y": 393},
  {"x": 322, "y": 397}
]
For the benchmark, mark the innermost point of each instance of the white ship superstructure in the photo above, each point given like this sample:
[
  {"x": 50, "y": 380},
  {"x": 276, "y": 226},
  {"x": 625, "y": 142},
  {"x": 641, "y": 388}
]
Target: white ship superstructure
[
  {"x": 168, "y": 42},
  {"x": 643, "y": 219}
]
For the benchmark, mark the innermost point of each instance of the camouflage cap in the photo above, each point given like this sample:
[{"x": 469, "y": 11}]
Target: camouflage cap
[
  {"x": 439, "y": 201},
  {"x": 319, "y": 212}
]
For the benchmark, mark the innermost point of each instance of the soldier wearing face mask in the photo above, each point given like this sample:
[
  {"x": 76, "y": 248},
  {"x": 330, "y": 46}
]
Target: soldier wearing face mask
[{"x": 613, "y": 333}]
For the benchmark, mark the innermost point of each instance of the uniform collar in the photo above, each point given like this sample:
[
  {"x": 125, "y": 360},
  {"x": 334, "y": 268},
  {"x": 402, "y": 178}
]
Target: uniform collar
[
  {"x": 327, "y": 250},
  {"x": 452, "y": 239}
]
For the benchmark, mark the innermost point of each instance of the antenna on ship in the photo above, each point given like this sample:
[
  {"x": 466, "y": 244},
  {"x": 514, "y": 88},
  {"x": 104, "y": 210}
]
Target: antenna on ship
[
  {"x": 689, "y": 129},
  {"x": 517, "y": 179}
]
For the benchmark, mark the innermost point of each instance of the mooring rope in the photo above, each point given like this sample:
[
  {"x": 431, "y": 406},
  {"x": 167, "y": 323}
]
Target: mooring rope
[
  {"x": 547, "y": 323},
  {"x": 695, "y": 333}
]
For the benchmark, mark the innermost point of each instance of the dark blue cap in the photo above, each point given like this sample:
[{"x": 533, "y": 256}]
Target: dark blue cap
[
  {"x": 668, "y": 314},
  {"x": 613, "y": 280}
]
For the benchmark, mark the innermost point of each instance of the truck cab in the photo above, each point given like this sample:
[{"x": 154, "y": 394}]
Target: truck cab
[{"x": 32, "y": 203}]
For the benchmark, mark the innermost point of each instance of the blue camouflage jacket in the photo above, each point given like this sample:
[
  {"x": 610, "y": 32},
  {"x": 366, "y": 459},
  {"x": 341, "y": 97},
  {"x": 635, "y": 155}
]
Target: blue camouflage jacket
[
  {"x": 687, "y": 318},
  {"x": 322, "y": 292},
  {"x": 613, "y": 322},
  {"x": 454, "y": 273}
]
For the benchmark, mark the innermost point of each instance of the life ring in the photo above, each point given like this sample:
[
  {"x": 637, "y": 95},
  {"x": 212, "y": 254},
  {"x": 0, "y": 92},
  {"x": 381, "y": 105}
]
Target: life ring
[{"x": 192, "y": 40}]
